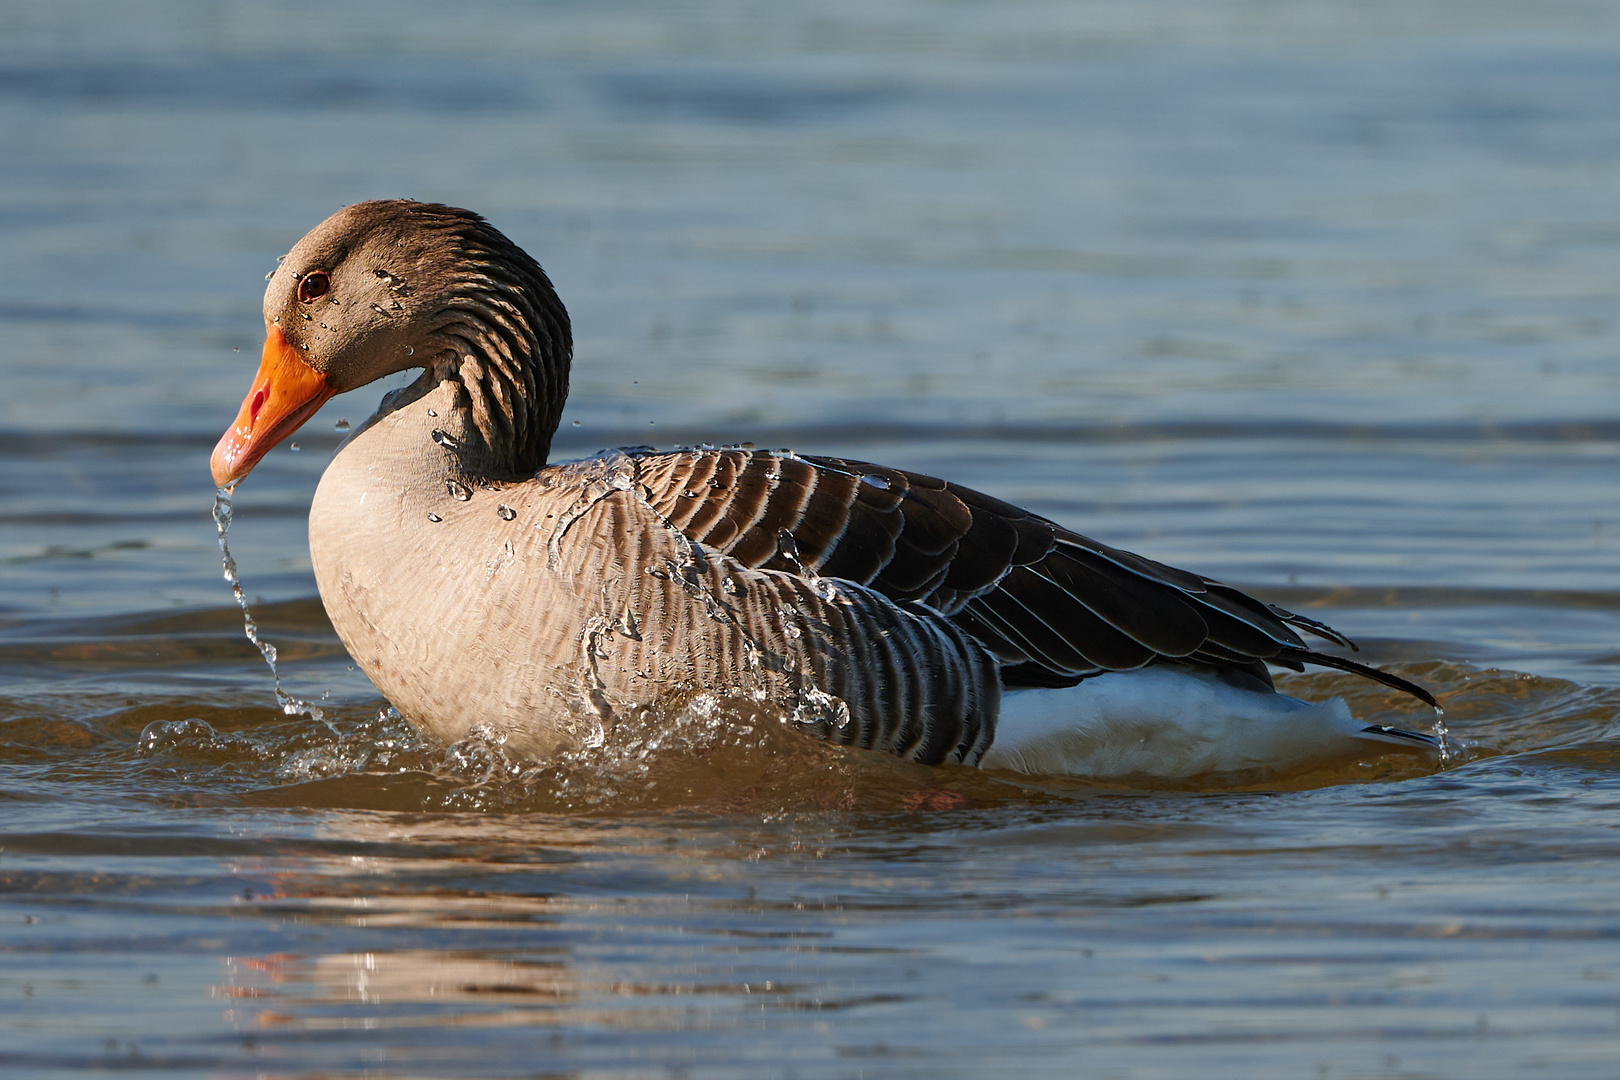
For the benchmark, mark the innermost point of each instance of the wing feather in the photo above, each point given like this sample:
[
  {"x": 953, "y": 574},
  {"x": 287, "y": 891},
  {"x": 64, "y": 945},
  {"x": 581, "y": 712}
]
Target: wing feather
[{"x": 1050, "y": 605}]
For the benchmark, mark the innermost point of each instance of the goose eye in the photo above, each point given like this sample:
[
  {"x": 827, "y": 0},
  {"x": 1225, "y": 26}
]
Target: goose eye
[{"x": 313, "y": 286}]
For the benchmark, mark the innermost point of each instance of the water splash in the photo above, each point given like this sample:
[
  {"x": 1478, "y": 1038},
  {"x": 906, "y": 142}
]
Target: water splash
[
  {"x": 290, "y": 705},
  {"x": 1441, "y": 735}
]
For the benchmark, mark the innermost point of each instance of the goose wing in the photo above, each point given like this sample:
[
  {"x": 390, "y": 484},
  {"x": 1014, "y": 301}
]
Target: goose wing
[{"x": 1053, "y": 606}]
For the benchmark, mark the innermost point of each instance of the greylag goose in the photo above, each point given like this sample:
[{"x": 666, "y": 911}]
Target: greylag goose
[{"x": 481, "y": 587}]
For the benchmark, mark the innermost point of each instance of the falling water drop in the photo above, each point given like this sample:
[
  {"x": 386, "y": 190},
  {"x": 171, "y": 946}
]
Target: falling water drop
[
  {"x": 290, "y": 705},
  {"x": 576, "y": 423},
  {"x": 410, "y": 351},
  {"x": 293, "y": 447},
  {"x": 341, "y": 425}
]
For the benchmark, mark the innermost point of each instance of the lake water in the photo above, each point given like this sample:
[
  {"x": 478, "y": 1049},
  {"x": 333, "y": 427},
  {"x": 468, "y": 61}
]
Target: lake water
[{"x": 1315, "y": 298}]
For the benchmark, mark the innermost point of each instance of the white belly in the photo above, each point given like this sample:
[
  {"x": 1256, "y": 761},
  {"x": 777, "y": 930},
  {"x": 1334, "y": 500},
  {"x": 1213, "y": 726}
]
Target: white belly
[{"x": 1172, "y": 724}]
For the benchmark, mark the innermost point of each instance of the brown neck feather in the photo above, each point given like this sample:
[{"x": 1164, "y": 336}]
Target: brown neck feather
[{"x": 504, "y": 336}]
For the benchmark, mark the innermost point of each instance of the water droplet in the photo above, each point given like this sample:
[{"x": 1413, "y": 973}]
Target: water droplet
[
  {"x": 506, "y": 512},
  {"x": 435, "y": 517},
  {"x": 293, "y": 447},
  {"x": 879, "y": 482},
  {"x": 576, "y": 423},
  {"x": 789, "y": 549},
  {"x": 236, "y": 350},
  {"x": 730, "y": 586},
  {"x": 652, "y": 423},
  {"x": 409, "y": 351},
  {"x": 458, "y": 491},
  {"x": 433, "y": 412},
  {"x": 341, "y": 425}
]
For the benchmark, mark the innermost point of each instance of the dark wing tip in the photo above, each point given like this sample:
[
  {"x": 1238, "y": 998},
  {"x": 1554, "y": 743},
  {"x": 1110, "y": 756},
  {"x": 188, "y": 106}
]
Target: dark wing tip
[
  {"x": 1400, "y": 733},
  {"x": 1313, "y": 627},
  {"x": 1339, "y": 663}
]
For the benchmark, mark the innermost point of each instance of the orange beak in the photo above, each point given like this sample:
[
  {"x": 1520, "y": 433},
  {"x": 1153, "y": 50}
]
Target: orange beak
[{"x": 285, "y": 393}]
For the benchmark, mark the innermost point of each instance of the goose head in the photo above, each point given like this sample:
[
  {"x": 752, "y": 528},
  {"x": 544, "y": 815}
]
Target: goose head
[{"x": 391, "y": 285}]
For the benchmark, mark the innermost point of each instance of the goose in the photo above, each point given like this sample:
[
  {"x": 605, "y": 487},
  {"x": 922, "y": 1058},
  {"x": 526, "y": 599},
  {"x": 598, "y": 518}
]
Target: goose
[{"x": 484, "y": 588}]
